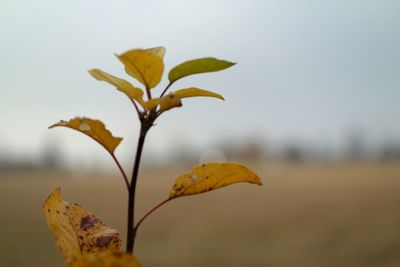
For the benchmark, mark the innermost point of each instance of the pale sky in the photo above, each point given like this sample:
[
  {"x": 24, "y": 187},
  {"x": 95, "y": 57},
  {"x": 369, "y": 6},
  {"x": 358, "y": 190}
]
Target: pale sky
[{"x": 306, "y": 69}]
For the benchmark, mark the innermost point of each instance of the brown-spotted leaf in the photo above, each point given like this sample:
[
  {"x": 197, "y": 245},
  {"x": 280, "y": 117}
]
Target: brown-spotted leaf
[
  {"x": 117, "y": 259},
  {"x": 144, "y": 66},
  {"x": 194, "y": 92},
  {"x": 78, "y": 231},
  {"x": 94, "y": 129},
  {"x": 211, "y": 176},
  {"x": 94, "y": 236},
  {"x": 122, "y": 85},
  {"x": 66, "y": 238}
]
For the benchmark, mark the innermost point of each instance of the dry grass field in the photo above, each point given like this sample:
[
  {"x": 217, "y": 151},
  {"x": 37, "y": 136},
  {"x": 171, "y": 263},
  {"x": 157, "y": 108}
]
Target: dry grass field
[{"x": 304, "y": 215}]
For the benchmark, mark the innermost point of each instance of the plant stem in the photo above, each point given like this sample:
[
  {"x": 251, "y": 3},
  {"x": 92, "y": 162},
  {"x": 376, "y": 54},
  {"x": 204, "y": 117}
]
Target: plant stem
[
  {"x": 166, "y": 89},
  {"x": 130, "y": 242},
  {"x": 150, "y": 212},
  {"x": 121, "y": 170},
  {"x": 136, "y": 107}
]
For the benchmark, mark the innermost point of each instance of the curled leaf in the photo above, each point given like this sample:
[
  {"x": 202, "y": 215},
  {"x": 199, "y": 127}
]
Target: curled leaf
[
  {"x": 78, "y": 231},
  {"x": 144, "y": 66},
  {"x": 122, "y": 85},
  {"x": 194, "y": 92},
  {"x": 173, "y": 99},
  {"x": 211, "y": 176},
  {"x": 201, "y": 65},
  {"x": 94, "y": 129},
  {"x": 117, "y": 259},
  {"x": 169, "y": 101}
]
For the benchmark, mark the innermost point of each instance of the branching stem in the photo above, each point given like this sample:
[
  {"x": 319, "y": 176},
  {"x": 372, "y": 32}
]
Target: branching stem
[
  {"x": 146, "y": 122},
  {"x": 130, "y": 242}
]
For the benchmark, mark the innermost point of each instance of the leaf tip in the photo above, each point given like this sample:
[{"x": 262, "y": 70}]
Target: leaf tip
[
  {"x": 55, "y": 124},
  {"x": 92, "y": 71}
]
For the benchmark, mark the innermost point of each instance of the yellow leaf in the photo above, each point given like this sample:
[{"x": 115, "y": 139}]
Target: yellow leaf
[
  {"x": 193, "y": 92},
  {"x": 94, "y": 236},
  {"x": 121, "y": 84},
  {"x": 166, "y": 102},
  {"x": 173, "y": 99},
  {"x": 211, "y": 176},
  {"x": 118, "y": 259},
  {"x": 58, "y": 222},
  {"x": 152, "y": 103},
  {"x": 94, "y": 129},
  {"x": 169, "y": 101},
  {"x": 78, "y": 231},
  {"x": 144, "y": 66},
  {"x": 159, "y": 51},
  {"x": 196, "y": 66}
]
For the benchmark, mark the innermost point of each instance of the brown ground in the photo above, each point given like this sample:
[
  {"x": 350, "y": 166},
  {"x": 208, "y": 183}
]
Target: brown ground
[{"x": 303, "y": 215}]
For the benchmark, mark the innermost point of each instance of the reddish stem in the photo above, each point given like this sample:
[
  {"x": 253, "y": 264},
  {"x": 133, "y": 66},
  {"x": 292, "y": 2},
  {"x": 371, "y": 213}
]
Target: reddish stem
[
  {"x": 136, "y": 107},
  {"x": 150, "y": 212},
  {"x": 121, "y": 170},
  {"x": 148, "y": 92},
  {"x": 166, "y": 89}
]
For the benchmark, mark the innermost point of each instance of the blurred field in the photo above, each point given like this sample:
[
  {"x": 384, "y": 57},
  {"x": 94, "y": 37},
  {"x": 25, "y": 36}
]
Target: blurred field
[{"x": 303, "y": 215}]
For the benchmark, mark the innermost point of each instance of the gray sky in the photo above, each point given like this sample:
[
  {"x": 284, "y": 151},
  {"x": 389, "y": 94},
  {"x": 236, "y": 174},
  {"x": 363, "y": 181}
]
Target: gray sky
[{"x": 306, "y": 69}]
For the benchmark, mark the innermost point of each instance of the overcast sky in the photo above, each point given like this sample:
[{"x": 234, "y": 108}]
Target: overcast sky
[{"x": 306, "y": 69}]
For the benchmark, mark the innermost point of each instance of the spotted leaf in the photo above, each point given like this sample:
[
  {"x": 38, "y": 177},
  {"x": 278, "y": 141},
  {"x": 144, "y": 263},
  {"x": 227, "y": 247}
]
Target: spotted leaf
[
  {"x": 94, "y": 129},
  {"x": 78, "y": 232},
  {"x": 211, "y": 176}
]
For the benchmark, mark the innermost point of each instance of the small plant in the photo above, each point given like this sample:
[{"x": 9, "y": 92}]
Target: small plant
[{"x": 81, "y": 237}]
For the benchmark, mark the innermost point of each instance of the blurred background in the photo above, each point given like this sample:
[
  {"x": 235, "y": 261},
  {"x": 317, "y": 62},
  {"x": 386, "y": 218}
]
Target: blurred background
[{"x": 312, "y": 106}]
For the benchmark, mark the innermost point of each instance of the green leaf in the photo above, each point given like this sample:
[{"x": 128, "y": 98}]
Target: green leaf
[{"x": 201, "y": 65}]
